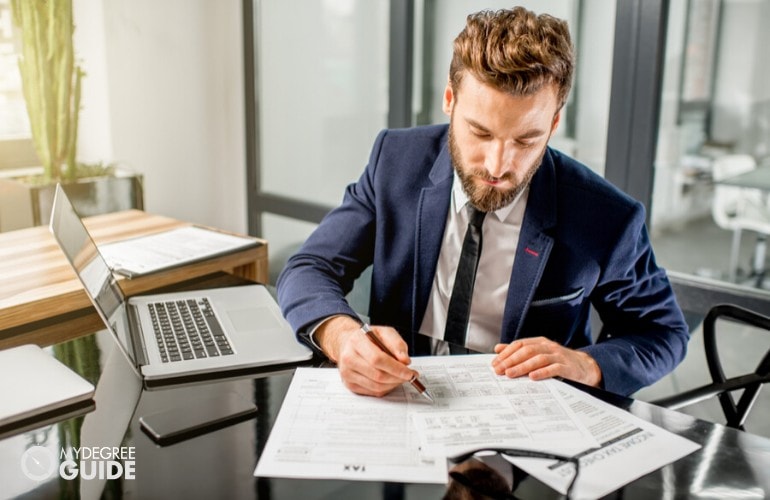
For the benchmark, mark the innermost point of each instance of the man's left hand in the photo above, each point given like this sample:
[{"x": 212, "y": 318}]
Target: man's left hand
[{"x": 542, "y": 358}]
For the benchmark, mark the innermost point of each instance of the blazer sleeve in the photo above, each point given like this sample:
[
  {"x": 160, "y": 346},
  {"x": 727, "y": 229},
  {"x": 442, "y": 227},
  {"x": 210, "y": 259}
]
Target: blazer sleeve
[
  {"x": 644, "y": 334},
  {"x": 313, "y": 284}
]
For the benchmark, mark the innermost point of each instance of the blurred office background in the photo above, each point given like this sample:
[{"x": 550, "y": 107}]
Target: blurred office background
[{"x": 253, "y": 115}]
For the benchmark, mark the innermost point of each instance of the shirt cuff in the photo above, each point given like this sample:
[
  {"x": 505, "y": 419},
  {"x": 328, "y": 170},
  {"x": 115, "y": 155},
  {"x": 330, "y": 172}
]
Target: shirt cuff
[{"x": 308, "y": 335}]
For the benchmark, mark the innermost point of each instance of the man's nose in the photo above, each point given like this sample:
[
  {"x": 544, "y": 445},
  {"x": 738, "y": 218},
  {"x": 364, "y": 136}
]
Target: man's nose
[{"x": 498, "y": 158}]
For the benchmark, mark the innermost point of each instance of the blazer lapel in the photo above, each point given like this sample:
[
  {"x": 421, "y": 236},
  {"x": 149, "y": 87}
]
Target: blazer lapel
[
  {"x": 431, "y": 220},
  {"x": 533, "y": 249}
]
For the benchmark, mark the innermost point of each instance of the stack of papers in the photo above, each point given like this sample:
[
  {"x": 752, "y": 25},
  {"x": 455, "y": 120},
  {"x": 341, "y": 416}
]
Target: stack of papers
[
  {"x": 325, "y": 431},
  {"x": 155, "y": 252}
]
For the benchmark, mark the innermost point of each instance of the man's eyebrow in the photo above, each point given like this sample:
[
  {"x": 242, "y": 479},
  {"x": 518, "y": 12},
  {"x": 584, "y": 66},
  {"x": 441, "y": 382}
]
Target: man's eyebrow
[
  {"x": 473, "y": 123},
  {"x": 529, "y": 134}
]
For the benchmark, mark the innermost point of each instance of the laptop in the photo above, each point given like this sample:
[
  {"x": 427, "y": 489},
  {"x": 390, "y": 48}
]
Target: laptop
[
  {"x": 182, "y": 337},
  {"x": 36, "y": 388}
]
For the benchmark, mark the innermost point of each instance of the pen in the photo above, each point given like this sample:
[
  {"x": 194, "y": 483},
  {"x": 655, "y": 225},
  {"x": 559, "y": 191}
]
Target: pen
[{"x": 376, "y": 341}]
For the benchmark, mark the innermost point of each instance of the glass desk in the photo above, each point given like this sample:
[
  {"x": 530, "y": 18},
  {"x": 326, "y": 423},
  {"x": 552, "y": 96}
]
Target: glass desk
[
  {"x": 758, "y": 178},
  {"x": 220, "y": 464}
]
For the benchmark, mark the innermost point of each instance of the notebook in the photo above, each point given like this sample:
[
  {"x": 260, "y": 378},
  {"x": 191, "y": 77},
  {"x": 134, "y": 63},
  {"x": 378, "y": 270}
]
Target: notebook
[
  {"x": 184, "y": 337},
  {"x": 34, "y": 386}
]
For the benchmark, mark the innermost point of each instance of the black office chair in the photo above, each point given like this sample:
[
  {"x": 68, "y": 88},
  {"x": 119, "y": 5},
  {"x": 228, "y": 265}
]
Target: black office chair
[{"x": 721, "y": 386}]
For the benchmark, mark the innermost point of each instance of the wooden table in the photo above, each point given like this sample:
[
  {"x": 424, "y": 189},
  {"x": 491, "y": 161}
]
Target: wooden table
[{"x": 43, "y": 302}]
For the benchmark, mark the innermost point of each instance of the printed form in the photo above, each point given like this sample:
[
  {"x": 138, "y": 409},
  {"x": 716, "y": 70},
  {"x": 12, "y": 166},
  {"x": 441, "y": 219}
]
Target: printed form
[
  {"x": 325, "y": 431},
  {"x": 158, "y": 251},
  {"x": 629, "y": 448}
]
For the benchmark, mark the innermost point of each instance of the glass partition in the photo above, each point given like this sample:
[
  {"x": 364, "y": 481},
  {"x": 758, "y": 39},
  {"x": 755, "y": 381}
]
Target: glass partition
[
  {"x": 323, "y": 93},
  {"x": 714, "y": 124}
]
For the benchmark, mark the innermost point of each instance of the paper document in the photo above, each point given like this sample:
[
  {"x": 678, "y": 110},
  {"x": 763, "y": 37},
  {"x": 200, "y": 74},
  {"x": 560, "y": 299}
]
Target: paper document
[
  {"x": 325, "y": 431},
  {"x": 629, "y": 448},
  {"x": 477, "y": 408},
  {"x": 155, "y": 252}
]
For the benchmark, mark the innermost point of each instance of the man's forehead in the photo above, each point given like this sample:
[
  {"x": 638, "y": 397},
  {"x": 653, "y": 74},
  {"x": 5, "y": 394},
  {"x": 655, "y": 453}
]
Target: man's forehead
[{"x": 483, "y": 106}]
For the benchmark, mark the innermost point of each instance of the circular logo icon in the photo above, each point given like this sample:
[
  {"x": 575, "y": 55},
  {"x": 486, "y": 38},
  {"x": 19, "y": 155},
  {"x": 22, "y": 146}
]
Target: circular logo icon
[{"x": 38, "y": 463}]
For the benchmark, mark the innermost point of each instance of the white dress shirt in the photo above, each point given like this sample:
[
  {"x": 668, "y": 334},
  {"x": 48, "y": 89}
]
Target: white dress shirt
[{"x": 500, "y": 237}]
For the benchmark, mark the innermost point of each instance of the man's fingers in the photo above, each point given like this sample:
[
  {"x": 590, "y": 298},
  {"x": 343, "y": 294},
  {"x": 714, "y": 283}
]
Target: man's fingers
[
  {"x": 541, "y": 358},
  {"x": 549, "y": 371},
  {"x": 515, "y": 353},
  {"x": 361, "y": 384},
  {"x": 367, "y": 369},
  {"x": 370, "y": 361},
  {"x": 507, "y": 350},
  {"x": 394, "y": 342},
  {"x": 529, "y": 365},
  {"x": 380, "y": 360}
]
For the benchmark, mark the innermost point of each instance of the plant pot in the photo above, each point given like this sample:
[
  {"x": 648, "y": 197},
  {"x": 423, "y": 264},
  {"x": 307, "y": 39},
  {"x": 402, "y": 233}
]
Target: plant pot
[{"x": 24, "y": 204}]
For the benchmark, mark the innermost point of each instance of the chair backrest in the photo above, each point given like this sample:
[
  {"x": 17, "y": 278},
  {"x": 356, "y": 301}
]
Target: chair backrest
[
  {"x": 750, "y": 383},
  {"x": 721, "y": 386},
  {"x": 727, "y": 199}
]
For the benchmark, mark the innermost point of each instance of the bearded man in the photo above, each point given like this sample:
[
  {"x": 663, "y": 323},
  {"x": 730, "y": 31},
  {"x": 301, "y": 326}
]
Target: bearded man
[{"x": 547, "y": 238}]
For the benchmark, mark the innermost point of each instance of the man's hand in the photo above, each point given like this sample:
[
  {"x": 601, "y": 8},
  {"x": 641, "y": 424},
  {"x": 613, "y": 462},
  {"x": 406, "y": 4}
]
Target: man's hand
[
  {"x": 542, "y": 358},
  {"x": 364, "y": 368}
]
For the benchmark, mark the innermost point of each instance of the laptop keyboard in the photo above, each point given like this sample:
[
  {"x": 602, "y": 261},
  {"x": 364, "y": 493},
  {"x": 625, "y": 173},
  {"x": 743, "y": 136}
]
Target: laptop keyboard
[{"x": 188, "y": 329}]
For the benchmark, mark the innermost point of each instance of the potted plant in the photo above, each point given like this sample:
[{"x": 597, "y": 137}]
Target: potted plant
[{"x": 51, "y": 82}]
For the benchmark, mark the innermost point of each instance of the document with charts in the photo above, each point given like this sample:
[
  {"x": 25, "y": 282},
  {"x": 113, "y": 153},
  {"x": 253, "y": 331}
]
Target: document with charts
[{"x": 325, "y": 431}]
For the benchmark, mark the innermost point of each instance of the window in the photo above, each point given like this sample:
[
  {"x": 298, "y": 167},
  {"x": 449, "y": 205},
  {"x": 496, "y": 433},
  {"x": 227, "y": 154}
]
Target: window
[{"x": 16, "y": 149}]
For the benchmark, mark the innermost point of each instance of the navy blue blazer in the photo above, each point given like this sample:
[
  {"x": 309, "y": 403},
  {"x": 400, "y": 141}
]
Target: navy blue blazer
[{"x": 582, "y": 242}]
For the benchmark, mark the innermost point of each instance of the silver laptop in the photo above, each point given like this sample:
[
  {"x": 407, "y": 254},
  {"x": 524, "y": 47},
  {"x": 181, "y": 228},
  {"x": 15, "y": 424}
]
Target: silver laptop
[
  {"x": 182, "y": 337},
  {"x": 49, "y": 390}
]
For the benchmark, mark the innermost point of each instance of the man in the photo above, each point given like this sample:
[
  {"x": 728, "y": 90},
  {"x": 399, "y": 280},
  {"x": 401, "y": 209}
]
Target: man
[{"x": 554, "y": 237}]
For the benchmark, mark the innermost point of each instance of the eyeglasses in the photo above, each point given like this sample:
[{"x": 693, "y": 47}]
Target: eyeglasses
[{"x": 489, "y": 481}]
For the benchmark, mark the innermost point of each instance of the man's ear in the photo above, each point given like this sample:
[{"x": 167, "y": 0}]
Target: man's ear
[
  {"x": 448, "y": 100},
  {"x": 556, "y": 121}
]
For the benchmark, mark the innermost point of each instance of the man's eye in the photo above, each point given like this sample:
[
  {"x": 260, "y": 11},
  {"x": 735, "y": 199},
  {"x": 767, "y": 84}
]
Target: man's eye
[
  {"x": 525, "y": 145},
  {"x": 480, "y": 133}
]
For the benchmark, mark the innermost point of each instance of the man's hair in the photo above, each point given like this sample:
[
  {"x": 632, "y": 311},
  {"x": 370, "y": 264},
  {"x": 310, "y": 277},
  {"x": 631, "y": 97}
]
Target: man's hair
[{"x": 515, "y": 51}]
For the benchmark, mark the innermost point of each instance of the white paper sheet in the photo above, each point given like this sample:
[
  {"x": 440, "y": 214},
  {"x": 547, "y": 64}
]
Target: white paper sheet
[
  {"x": 154, "y": 252},
  {"x": 477, "y": 408},
  {"x": 629, "y": 448},
  {"x": 325, "y": 431}
]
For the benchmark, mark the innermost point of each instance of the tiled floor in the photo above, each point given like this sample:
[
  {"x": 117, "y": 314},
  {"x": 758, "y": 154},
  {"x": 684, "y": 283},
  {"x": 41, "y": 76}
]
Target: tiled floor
[{"x": 702, "y": 248}]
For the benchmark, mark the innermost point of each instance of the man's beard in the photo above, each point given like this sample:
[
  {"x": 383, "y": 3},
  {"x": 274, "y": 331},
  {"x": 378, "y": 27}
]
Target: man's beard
[{"x": 483, "y": 196}]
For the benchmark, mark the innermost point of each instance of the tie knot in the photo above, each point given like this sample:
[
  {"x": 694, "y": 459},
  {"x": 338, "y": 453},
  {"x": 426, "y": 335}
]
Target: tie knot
[{"x": 475, "y": 216}]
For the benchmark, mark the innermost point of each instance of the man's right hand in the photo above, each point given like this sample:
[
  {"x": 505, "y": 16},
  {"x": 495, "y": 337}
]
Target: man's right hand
[{"x": 364, "y": 367}]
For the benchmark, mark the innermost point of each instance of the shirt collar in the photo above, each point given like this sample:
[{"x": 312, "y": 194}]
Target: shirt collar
[{"x": 460, "y": 199}]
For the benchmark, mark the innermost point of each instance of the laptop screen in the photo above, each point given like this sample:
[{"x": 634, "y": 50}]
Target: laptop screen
[{"x": 97, "y": 278}]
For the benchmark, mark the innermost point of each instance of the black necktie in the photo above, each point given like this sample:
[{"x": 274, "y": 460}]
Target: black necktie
[{"x": 460, "y": 303}]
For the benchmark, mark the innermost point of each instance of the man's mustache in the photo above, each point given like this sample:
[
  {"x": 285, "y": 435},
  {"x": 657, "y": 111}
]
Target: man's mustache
[{"x": 484, "y": 175}]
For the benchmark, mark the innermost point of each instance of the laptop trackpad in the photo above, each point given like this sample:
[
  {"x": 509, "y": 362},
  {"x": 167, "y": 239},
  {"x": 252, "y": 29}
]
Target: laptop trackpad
[{"x": 253, "y": 319}]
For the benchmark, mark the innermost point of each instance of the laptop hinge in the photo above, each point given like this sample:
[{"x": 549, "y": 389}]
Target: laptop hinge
[{"x": 135, "y": 330}]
